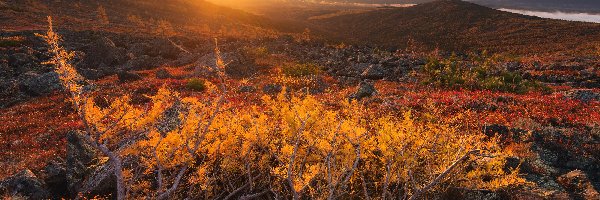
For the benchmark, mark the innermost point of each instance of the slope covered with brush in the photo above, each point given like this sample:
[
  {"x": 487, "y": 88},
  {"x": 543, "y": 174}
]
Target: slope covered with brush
[{"x": 460, "y": 26}]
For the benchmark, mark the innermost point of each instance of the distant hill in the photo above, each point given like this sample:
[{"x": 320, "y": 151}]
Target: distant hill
[
  {"x": 541, "y": 5},
  {"x": 83, "y": 14},
  {"x": 461, "y": 26}
]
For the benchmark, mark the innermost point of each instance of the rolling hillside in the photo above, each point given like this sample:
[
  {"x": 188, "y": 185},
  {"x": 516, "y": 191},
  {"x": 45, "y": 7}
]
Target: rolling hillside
[
  {"x": 461, "y": 26},
  {"x": 123, "y": 14}
]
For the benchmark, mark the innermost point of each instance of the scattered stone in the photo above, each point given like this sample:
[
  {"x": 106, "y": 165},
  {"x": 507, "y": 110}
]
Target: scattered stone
[
  {"x": 163, "y": 74},
  {"x": 144, "y": 62},
  {"x": 125, "y": 76},
  {"x": 164, "y": 48},
  {"x": 506, "y": 134},
  {"x": 169, "y": 119},
  {"x": 139, "y": 49},
  {"x": 578, "y": 184},
  {"x": 247, "y": 89},
  {"x": 92, "y": 74},
  {"x": 103, "y": 53},
  {"x": 80, "y": 156},
  {"x": 468, "y": 194},
  {"x": 272, "y": 89},
  {"x": 374, "y": 72},
  {"x": 584, "y": 95},
  {"x": 56, "y": 179},
  {"x": 37, "y": 85},
  {"x": 20, "y": 59},
  {"x": 365, "y": 89},
  {"x": 142, "y": 95},
  {"x": 100, "y": 181},
  {"x": 25, "y": 184}
]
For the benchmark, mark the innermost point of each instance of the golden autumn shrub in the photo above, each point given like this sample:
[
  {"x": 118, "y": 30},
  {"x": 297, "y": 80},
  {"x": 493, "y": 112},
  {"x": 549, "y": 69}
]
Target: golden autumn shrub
[{"x": 287, "y": 146}]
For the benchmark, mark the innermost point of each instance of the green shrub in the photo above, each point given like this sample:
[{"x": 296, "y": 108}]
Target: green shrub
[
  {"x": 445, "y": 73},
  {"x": 10, "y": 41},
  {"x": 258, "y": 51},
  {"x": 195, "y": 84},
  {"x": 477, "y": 72},
  {"x": 300, "y": 70}
]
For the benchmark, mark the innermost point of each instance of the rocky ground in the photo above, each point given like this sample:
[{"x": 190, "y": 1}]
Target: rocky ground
[{"x": 564, "y": 162}]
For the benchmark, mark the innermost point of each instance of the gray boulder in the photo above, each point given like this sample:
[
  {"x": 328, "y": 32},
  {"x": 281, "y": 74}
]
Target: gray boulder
[
  {"x": 272, "y": 89},
  {"x": 365, "y": 89},
  {"x": 144, "y": 62},
  {"x": 584, "y": 95},
  {"x": 36, "y": 85},
  {"x": 139, "y": 49},
  {"x": 22, "y": 62},
  {"x": 56, "y": 179},
  {"x": 579, "y": 185},
  {"x": 374, "y": 72},
  {"x": 165, "y": 49},
  {"x": 25, "y": 184},
  {"x": 84, "y": 173},
  {"x": 125, "y": 76},
  {"x": 80, "y": 155},
  {"x": 104, "y": 53},
  {"x": 163, "y": 74},
  {"x": 247, "y": 89}
]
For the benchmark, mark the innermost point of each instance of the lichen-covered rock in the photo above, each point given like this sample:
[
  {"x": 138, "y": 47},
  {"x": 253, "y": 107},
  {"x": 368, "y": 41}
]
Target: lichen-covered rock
[
  {"x": 579, "y": 185},
  {"x": 272, "y": 89},
  {"x": 80, "y": 156},
  {"x": 125, "y": 77},
  {"x": 584, "y": 95},
  {"x": 25, "y": 184},
  {"x": 247, "y": 89},
  {"x": 103, "y": 53},
  {"x": 36, "y": 85},
  {"x": 163, "y": 74},
  {"x": 56, "y": 179},
  {"x": 365, "y": 89}
]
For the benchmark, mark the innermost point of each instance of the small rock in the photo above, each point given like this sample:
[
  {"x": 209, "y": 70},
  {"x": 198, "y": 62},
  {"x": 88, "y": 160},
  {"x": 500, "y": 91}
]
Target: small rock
[
  {"x": 139, "y": 49},
  {"x": 163, "y": 74},
  {"x": 466, "y": 194},
  {"x": 100, "y": 181},
  {"x": 104, "y": 53},
  {"x": 56, "y": 179},
  {"x": 374, "y": 72},
  {"x": 577, "y": 183},
  {"x": 584, "y": 95},
  {"x": 142, "y": 95},
  {"x": 37, "y": 85},
  {"x": 92, "y": 74},
  {"x": 169, "y": 119},
  {"x": 165, "y": 49},
  {"x": 364, "y": 90},
  {"x": 26, "y": 184},
  {"x": 144, "y": 62},
  {"x": 20, "y": 59},
  {"x": 79, "y": 157},
  {"x": 125, "y": 76},
  {"x": 247, "y": 89},
  {"x": 272, "y": 89}
]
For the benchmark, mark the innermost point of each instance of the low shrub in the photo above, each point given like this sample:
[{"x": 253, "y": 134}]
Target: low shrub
[
  {"x": 287, "y": 146},
  {"x": 300, "y": 70},
  {"x": 477, "y": 72},
  {"x": 196, "y": 84},
  {"x": 257, "y": 52},
  {"x": 11, "y": 41}
]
